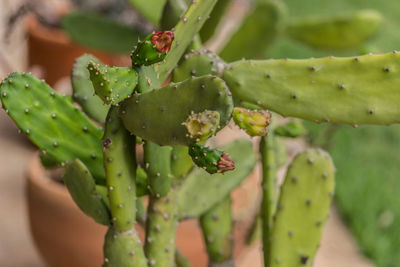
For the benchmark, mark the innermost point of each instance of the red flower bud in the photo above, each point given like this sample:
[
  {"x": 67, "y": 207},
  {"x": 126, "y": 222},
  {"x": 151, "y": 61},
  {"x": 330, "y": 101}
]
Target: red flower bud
[
  {"x": 163, "y": 41},
  {"x": 225, "y": 164}
]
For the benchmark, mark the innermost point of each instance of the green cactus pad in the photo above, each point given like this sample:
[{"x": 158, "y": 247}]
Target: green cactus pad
[
  {"x": 158, "y": 115},
  {"x": 83, "y": 89},
  {"x": 142, "y": 182},
  {"x": 209, "y": 27},
  {"x": 254, "y": 122},
  {"x": 181, "y": 162},
  {"x": 157, "y": 166},
  {"x": 256, "y": 33},
  {"x": 99, "y": 32},
  {"x": 52, "y": 122},
  {"x": 201, "y": 191},
  {"x": 338, "y": 32},
  {"x": 120, "y": 166},
  {"x": 357, "y": 90},
  {"x": 198, "y": 63},
  {"x": 123, "y": 249},
  {"x": 217, "y": 227},
  {"x": 112, "y": 84},
  {"x": 147, "y": 79},
  {"x": 161, "y": 230},
  {"x": 152, "y": 49},
  {"x": 185, "y": 31},
  {"x": 211, "y": 160},
  {"x": 291, "y": 129},
  {"x": 303, "y": 209},
  {"x": 82, "y": 188}
]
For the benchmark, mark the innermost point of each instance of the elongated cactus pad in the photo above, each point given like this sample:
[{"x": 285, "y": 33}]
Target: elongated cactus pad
[
  {"x": 185, "y": 31},
  {"x": 217, "y": 227},
  {"x": 338, "y": 32},
  {"x": 158, "y": 168},
  {"x": 120, "y": 167},
  {"x": 254, "y": 122},
  {"x": 161, "y": 230},
  {"x": 83, "y": 89},
  {"x": 82, "y": 188},
  {"x": 99, "y": 32},
  {"x": 52, "y": 122},
  {"x": 256, "y": 33},
  {"x": 181, "y": 162},
  {"x": 209, "y": 27},
  {"x": 112, "y": 84},
  {"x": 201, "y": 190},
  {"x": 158, "y": 115},
  {"x": 198, "y": 63},
  {"x": 358, "y": 90},
  {"x": 147, "y": 79},
  {"x": 211, "y": 160},
  {"x": 123, "y": 249},
  {"x": 291, "y": 129},
  {"x": 303, "y": 209}
]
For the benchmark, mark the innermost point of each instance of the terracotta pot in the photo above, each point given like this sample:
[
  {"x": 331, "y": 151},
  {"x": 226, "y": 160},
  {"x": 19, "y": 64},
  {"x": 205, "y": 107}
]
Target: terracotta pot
[
  {"x": 53, "y": 51},
  {"x": 66, "y": 237}
]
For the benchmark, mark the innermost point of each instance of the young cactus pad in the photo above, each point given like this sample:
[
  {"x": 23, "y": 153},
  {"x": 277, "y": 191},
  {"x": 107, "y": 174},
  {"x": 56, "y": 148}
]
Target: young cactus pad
[
  {"x": 52, "y": 122},
  {"x": 211, "y": 160},
  {"x": 303, "y": 209},
  {"x": 201, "y": 190},
  {"x": 338, "y": 32},
  {"x": 254, "y": 122},
  {"x": 353, "y": 90},
  {"x": 152, "y": 49},
  {"x": 83, "y": 89},
  {"x": 158, "y": 115},
  {"x": 112, "y": 84},
  {"x": 203, "y": 125},
  {"x": 82, "y": 188}
]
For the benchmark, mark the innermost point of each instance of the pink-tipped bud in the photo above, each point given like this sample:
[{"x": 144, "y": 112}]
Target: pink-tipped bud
[
  {"x": 225, "y": 164},
  {"x": 163, "y": 41}
]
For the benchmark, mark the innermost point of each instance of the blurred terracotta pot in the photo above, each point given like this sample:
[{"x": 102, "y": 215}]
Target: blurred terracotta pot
[
  {"x": 53, "y": 51},
  {"x": 66, "y": 237}
]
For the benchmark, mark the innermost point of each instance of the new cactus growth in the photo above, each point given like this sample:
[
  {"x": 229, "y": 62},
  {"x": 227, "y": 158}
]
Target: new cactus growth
[
  {"x": 152, "y": 49},
  {"x": 175, "y": 120},
  {"x": 203, "y": 125},
  {"x": 255, "y": 123},
  {"x": 211, "y": 160}
]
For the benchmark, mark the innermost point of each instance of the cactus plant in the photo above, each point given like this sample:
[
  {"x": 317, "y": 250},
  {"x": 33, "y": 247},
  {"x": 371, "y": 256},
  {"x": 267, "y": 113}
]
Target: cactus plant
[{"x": 184, "y": 174}]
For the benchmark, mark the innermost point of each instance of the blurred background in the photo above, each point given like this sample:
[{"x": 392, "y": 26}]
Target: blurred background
[{"x": 45, "y": 36}]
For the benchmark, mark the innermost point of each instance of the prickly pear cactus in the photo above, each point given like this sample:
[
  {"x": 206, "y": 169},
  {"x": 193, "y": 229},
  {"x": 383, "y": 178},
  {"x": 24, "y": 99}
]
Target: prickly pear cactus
[
  {"x": 302, "y": 210},
  {"x": 83, "y": 89},
  {"x": 52, "y": 122},
  {"x": 158, "y": 115},
  {"x": 211, "y": 160},
  {"x": 201, "y": 126},
  {"x": 254, "y": 122},
  {"x": 112, "y": 84},
  {"x": 152, "y": 49},
  {"x": 352, "y": 90}
]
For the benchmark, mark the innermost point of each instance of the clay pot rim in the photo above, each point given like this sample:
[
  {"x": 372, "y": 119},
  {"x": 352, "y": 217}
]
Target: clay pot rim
[
  {"x": 36, "y": 174},
  {"x": 38, "y": 30}
]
